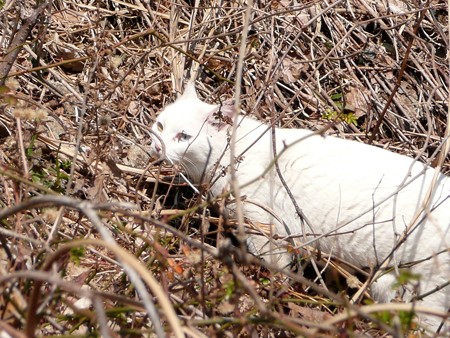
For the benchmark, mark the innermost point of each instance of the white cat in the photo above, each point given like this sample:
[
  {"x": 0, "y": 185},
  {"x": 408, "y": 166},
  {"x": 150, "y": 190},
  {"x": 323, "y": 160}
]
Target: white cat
[{"x": 358, "y": 200}]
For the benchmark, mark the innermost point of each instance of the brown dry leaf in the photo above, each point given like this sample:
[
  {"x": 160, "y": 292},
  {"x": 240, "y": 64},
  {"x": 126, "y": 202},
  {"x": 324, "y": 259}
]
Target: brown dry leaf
[
  {"x": 292, "y": 69},
  {"x": 67, "y": 18},
  {"x": 55, "y": 128},
  {"x": 113, "y": 168},
  {"x": 134, "y": 107},
  {"x": 79, "y": 184},
  {"x": 407, "y": 95},
  {"x": 136, "y": 157},
  {"x": 357, "y": 100},
  {"x": 307, "y": 313},
  {"x": 96, "y": 193},
  {"x": 67, "y": 51},
  {"x": 392, "y": 7},
  {"x": 82, "y": 277},
  {"x": 194, "y": 257},
  {"x": 175, "y": 266},
  {"x": 186, "y": 249},
  {"x": 225, "y": 308},
  {"x": 15, "y": 301},
  {"x": 246, "y": 303}
]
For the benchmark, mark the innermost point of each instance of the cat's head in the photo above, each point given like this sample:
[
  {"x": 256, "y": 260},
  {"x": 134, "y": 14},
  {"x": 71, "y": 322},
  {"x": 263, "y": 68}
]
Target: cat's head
[{"x": 191, "y": 132}]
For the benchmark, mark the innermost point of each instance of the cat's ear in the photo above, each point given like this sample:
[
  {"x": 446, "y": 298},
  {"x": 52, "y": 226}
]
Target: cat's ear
[
  {"x": 189, "y": 91},
  {"x": 223, "y": 114}
]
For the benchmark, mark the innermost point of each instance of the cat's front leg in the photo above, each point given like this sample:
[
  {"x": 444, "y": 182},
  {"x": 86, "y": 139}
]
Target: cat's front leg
[{"x": 273, "y": 251}]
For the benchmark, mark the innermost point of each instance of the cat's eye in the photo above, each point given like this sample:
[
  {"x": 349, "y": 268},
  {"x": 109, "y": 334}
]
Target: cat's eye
[
  {"x": 183, "y": 136},
  {"x": 159, "y": 126}
]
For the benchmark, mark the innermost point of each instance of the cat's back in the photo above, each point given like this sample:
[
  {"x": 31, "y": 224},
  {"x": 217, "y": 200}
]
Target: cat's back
[
  {"x": 306, "y": 156},
  {"x": 347, "y": 158},
  {"x": 325, "y": 171}
]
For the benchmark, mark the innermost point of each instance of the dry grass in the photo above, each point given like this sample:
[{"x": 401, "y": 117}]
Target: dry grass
[{"x": 94, "y": 241}]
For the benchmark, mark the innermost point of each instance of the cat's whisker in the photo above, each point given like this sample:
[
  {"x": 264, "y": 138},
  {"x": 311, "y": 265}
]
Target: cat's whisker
[{"x": 174, "y": 159}]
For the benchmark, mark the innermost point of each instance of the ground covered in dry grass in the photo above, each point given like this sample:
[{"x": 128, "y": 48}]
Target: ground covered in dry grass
[{"x": 96, "y": 240}]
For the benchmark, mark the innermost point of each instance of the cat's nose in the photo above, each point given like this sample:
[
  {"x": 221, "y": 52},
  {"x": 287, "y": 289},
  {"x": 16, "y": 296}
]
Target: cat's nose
[{"x": 158, "y": 148}]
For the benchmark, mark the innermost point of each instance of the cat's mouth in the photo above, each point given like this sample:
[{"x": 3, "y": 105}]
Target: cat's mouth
[
  {"x": 158, "y": 157},
  {"x": 156, "y": 154},
  {"x": 158, "y": 160}
]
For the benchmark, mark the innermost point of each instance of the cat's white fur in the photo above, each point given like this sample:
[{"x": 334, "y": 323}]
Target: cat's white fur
[{"x": 358, "y": 199}]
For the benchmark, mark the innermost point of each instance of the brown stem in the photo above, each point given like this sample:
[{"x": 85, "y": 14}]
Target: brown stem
[
  {"x": 19, "y": 40},
  {"x": 401, "y": 72},
  {"x": 33, "y": 304}
]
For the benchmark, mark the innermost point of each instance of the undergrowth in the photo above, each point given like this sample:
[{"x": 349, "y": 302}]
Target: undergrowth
[{"x": 98, "y": 240}]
